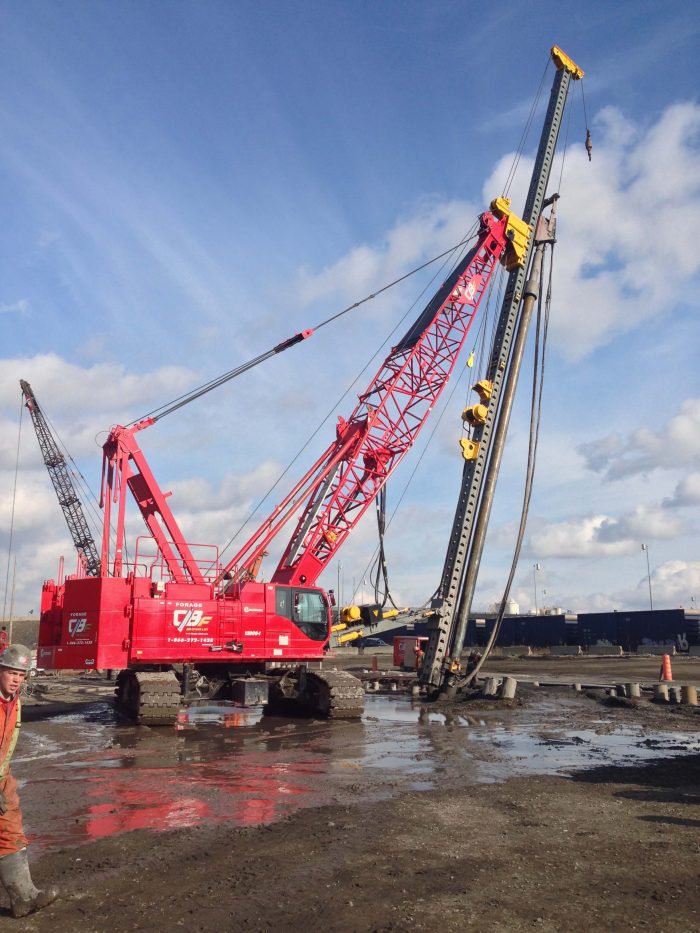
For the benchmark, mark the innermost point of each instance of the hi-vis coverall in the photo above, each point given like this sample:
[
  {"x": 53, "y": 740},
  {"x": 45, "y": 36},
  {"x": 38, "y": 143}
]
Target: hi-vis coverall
[{"x": 12, "y": 838}]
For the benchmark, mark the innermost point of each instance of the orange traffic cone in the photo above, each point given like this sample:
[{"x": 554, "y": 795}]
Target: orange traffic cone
[{"x": 665, "y": 672}]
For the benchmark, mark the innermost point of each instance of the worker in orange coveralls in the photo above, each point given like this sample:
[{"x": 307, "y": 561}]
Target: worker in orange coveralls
[
  {"x": 25, "y": 898},
  {"x": 420, "y": 656}
]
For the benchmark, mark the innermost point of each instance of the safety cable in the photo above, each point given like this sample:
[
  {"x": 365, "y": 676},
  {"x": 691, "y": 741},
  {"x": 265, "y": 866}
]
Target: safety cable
[
  {"x": 169, "y": 407},
  {"x": 541, "y": 332},
  {"x": 12, "y": 511}
]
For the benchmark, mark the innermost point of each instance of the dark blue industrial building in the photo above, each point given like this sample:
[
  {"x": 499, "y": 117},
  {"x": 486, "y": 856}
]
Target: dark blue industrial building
[{"x": 632, "y": 630}]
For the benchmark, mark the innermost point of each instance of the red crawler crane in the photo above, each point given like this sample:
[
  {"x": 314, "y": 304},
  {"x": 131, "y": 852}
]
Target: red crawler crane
[{"x": 174, "y": 603}]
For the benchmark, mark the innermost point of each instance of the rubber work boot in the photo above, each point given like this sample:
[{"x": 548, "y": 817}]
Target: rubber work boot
[{"x": 25, "y": 898}]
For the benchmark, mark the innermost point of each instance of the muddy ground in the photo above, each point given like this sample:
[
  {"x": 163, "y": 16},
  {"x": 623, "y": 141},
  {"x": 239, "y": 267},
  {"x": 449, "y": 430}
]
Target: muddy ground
[{"x": 563, "y": 812}]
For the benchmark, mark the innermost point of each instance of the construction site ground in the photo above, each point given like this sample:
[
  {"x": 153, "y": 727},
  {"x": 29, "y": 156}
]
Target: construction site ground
[{"x": 562, "y": 811}]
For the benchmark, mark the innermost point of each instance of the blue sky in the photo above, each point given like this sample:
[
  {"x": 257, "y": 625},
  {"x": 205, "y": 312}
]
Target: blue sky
[{"x": 187, "y": 183}]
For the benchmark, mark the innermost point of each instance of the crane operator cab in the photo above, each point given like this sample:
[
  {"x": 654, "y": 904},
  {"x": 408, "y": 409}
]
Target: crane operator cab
[{"x": 307, "y": 609}]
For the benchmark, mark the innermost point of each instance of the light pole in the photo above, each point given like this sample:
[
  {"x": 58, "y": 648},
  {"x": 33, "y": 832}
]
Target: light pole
[
  {"x": 535, "y": 568},
  {"x": 645, "y": 548}
]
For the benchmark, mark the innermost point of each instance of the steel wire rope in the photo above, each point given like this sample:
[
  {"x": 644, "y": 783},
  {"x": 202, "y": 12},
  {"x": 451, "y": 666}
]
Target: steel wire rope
[
  {"x": 376, "y": 554},
  {"x": 168, "y": 407},
  {"x": 436, "y": 425},
  {"x": 91, "y": 500},
  {"x": 12, "y": 511},
  {"x": 542, "y": 328},
  {"x": 566, "y": 142},
  {"x": 467, "y": 237},
  {"x": 481, "y": 334},
  {"x": 589, "y": 145},
  {"x": 377, "y": 567},
  {"x": 523, "y": 138}
]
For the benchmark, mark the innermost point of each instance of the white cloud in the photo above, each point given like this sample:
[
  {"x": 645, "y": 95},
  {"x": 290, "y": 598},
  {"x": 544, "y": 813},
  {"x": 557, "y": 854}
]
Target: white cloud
[
  {"x": 674, "y": 446},
  {"x": 575, "y": 538},
  {"x": 673, "y": 583},
  {"x": 642, "y": 523},
  {"x": 433, "y": 228},
  {"x": 686, "y": 493},
  {"x": 34, "y": 502},
  {"x": 621, "y": 260},
  {"x": 80, "y": 402},
  {"x": 16, "y": 307},
  {"x": 609, "y": 281},
  {"x": 602, "y": 535}
]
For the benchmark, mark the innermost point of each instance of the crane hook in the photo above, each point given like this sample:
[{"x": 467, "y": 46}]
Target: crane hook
[{"x": 589, "y": 144}]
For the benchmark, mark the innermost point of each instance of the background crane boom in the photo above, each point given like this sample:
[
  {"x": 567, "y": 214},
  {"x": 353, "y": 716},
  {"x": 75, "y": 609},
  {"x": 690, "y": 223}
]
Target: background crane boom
[{"x": 63, "y": 484}]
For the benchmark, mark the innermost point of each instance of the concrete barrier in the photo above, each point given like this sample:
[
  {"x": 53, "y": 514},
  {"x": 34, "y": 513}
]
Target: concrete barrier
[
  {"x": 515, "y": 651},
  {"x": 657, "y": 650},
  {"x": 605, "y": 650},
  {"x": 694, "y": 651},
  {"x": 565, "y": 650}
]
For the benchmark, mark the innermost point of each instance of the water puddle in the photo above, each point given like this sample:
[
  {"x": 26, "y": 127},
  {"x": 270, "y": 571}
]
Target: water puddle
[{"x": 86, "y": 775}]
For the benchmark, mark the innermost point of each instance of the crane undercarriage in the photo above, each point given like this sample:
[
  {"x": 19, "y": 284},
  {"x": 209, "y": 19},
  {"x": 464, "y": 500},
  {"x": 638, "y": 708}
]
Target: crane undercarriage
[{"x": 153, "y": 698}]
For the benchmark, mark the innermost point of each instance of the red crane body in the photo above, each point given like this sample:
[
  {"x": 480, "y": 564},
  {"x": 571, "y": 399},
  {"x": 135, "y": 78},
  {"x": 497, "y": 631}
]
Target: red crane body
[{"x": 174, "y": 602}]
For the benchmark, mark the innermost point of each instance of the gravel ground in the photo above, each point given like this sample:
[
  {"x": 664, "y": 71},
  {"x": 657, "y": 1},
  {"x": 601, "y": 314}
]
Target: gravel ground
[{"x": 548, "y": 815}]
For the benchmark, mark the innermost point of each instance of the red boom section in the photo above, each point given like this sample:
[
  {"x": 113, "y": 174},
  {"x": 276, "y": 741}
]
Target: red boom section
[
  {"x": 345, "y": 480},
  {"x": 123, "y": 464}
]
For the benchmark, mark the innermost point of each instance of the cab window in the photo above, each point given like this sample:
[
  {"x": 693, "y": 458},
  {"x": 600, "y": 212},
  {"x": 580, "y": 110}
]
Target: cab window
[{"x": 307, "y": 609}]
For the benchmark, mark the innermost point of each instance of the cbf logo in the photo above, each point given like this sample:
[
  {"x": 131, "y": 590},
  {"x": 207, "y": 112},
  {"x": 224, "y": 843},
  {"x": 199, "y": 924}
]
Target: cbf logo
[
  {"x": 77, "y": 626},
  {"x": 189, "y": 618}
]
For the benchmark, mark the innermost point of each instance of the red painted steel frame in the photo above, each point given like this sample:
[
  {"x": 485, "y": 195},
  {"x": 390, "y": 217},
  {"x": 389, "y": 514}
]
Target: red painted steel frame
[
  {"x": 121, "y": 454},
  {"x": 346, "y": 479}
]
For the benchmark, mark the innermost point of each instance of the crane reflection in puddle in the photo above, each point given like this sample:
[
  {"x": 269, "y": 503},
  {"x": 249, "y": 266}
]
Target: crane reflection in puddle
[{"x": 219, "y": 764}]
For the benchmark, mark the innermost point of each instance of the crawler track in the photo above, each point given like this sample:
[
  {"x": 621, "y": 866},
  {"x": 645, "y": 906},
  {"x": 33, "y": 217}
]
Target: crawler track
[
  {"x": 336, "y": 694},
  {"x": 325, "y": 694},
  {"x": 149, "y": 698}
]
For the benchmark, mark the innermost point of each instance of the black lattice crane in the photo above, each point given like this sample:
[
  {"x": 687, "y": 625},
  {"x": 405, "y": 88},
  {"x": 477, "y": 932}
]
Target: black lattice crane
[{"x": 63, "y": 484}]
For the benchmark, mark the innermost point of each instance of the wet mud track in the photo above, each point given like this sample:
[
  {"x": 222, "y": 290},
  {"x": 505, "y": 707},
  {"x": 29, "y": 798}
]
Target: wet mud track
[{"x": 411, "y": 819}]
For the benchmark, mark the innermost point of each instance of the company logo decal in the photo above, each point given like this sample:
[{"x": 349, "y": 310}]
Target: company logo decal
[
  {"x": 77, "y": 626},
  {"x": 189, "y": 618}
]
